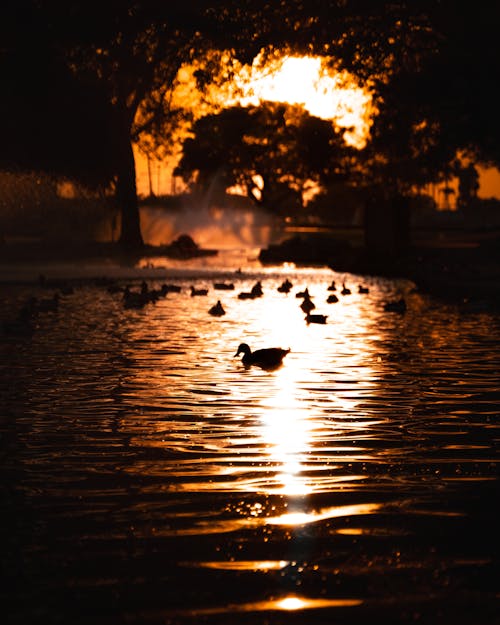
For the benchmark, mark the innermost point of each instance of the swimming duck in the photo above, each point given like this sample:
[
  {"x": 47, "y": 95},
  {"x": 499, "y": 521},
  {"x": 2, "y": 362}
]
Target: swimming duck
[
  {"x": 223, "y": 286},
  {"x": 246, "y": 295},
  {"x": 256, "y": 290},
  {"x": 197, "y": 292},
  {"x": 332, "y": 299},
  {"x": 217, "y": 310},
  {"x": 285, "y": 286},
  {"x": 316, "y": 318},
  {"x": 304, "y": 293},
  {"x": 268, "y": 358},
  {"x": 171, "y": 288},
  {"x": 307, "y": 305},
  {"x": 332, "y": 286},
  {"x": 345, "y": 290},
  {"x": 363, "y": 289}
]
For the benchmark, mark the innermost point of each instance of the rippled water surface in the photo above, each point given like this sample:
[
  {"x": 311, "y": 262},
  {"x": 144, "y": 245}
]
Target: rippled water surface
[{"x": 149, "y": 477}]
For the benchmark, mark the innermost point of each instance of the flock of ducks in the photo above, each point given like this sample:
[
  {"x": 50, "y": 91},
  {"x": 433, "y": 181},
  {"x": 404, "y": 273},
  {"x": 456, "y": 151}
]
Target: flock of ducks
[{"x": 266, "y": 358}]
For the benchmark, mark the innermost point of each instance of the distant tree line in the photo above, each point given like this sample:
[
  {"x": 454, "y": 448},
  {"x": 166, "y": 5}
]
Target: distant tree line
[{"x": 83, "y": 81}]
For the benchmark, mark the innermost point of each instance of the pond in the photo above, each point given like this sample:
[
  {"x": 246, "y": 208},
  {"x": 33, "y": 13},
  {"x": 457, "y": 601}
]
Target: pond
[{"x": 150, "y": 477}]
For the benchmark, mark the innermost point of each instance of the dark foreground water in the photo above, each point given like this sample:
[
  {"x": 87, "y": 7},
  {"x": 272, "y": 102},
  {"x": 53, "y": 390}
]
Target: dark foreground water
[{"x": 148, "y": 477}]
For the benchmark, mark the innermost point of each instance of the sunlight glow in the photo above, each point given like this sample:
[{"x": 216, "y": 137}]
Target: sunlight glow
[
  {"x": 304, "y": 518},
  {"x": 298, "y": 80},
  {"x": 305, "y": 81},
  {"x": 289, "y": 603}
]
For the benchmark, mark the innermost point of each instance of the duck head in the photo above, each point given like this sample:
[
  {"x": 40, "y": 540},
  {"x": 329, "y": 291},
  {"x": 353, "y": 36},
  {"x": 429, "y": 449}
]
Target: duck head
[{"x": 243, "y": 349}]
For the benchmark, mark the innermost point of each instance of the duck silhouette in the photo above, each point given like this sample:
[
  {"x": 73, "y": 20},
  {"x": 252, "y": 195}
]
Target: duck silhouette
[
  {"x": 345, "y": 290},
  {"x": 285, "y": 286},
  {"x": 316, "y": 318},
  {"x": 198, "y": 292},
  {"x": 217, "y": 310},
  {"x": 268, "y": 358},
  {"x": 256, "y": 290},
  {"x": 307, "y": 305}
]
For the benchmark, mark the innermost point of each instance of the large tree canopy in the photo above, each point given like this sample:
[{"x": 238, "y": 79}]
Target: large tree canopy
[
  {"x": 83, "y": 80},
  {"x": 272, "y": 152}
]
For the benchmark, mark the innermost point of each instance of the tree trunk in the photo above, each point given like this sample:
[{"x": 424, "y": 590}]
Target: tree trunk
[{"x": 126, "y": 195}]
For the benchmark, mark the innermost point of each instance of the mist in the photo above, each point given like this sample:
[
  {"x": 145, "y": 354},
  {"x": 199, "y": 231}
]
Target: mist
[{"x": 209, "y": 226}]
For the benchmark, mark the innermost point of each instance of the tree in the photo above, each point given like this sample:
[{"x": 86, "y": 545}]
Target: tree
[
  {"x": 96, "y": 65},
  {"x": 272, "y": 151}
]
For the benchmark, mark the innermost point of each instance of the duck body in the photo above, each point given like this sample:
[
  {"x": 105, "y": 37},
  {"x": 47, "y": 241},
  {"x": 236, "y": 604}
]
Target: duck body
[
  {"x": 223, "y": 286},
  {"x": 304, "y": 293},
  {"x": 217, "y": 310},
  {"x": 345, "y": 290},
  {"x": 285, "y": 286},
  {"x": 307, "y": 305},
  {"x": 316, "y": 318},
  {"x": 332, "y": 299},
  {"x": 256, "y": 290},
  {"x": 198, "y": 292},
  {"x": 268, "y": 358}
]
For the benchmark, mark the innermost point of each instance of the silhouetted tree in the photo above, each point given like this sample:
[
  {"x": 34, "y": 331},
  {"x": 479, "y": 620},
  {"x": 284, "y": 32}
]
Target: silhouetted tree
[
  {"x": 76, "y": 74},
  {"x": 272, "y": 151}
]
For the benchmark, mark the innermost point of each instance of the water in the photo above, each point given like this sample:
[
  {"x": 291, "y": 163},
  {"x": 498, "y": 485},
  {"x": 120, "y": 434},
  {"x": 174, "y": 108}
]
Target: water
[{"x": 149, "y": 477}]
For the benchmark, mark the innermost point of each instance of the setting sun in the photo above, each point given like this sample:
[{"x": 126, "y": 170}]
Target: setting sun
[
  {"x": 297, "y": 80},
  {"x": 305, "y": 81}
]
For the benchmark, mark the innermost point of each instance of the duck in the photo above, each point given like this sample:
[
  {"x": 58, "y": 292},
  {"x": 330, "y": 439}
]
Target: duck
[
  {"x": 246, "y": 295},
  {"x": 363, "y": 289},
  {"x": 198, "y": 292},
  {"x": 223, "y": 286},
  {"x": 332, "y": 299},
  {"x": 268, "y": 358},
  {"x": 316, "y": 318},
  {"x": 285, "y": 286},
  {"x": 171, "y": 288},
  {"x": 332, "y": 286},
  {"x": 304, "y": 293},
  {"x": 256, "y": 290},
  {"x": 398, "y": 306},
  {"x": 345, "y": 290},
  {"x": 217, "y": 310},
  {"x": 307, "y": 305}
]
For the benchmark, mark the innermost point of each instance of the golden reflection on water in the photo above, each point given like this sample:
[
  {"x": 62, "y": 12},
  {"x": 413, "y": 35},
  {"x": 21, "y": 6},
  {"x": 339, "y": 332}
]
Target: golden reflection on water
[
  {"x": 288, "y": 604},
  {"x": 292, "y": 415}
]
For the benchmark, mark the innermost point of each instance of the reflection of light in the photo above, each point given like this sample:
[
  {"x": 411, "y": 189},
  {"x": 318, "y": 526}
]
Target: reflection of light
[
  {"x": 304, "y": 80},
  {"x": 303, "y": 518},
  {"x": 245, "y": 565},
  {"x": 285, "y": 603},
  {"x": 290, "y": 603}
]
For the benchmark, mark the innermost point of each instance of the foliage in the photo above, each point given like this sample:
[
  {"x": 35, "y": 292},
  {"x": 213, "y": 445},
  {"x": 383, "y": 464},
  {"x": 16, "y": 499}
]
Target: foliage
[
  {"x": 83, "y": 80},
  {"x": 273, "y": 151}
]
